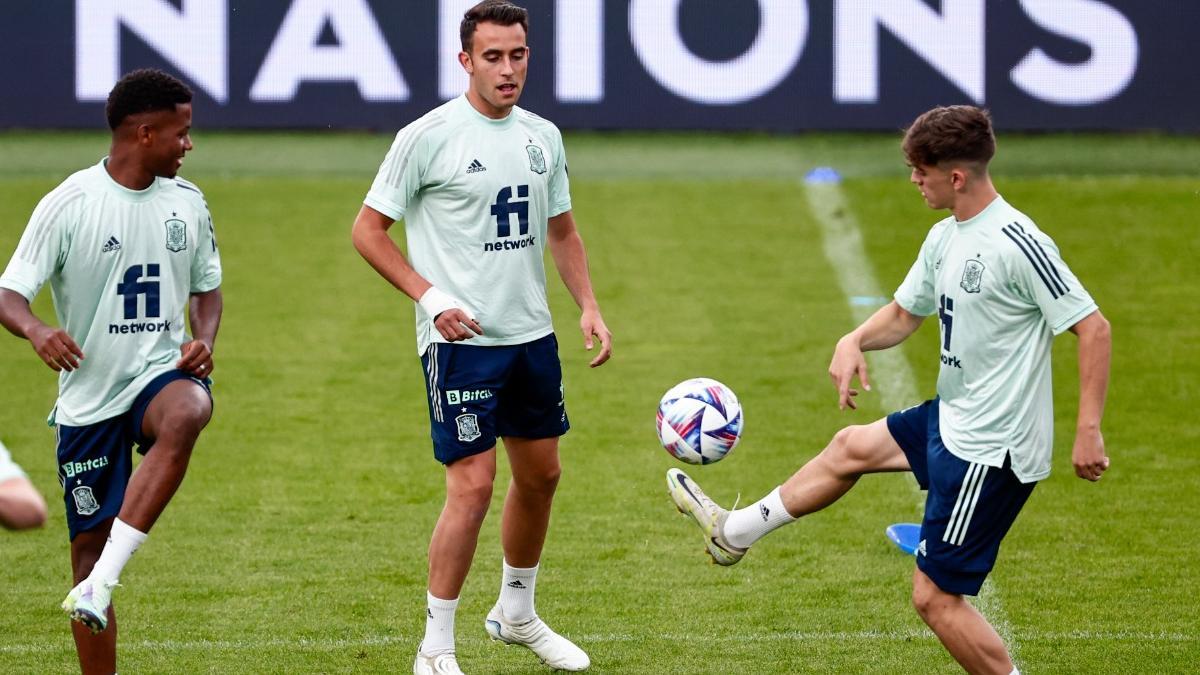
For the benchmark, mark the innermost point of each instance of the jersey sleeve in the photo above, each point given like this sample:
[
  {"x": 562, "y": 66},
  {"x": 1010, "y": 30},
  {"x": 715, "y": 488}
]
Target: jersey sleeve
[
  {"x": 560, "y": 182},
  {"x": 206, "y": 265},
  {"x": 916, "y": 292},
  {"x": 400, "y": 175},
  {"x": 44, "y": 245},
  {"x": 1041, "y": 277}
]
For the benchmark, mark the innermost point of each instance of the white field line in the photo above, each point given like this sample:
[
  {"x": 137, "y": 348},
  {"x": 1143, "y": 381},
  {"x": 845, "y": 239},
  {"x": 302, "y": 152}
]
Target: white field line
[
  {"x": 406, "y": 641},
  {"x": 890, "y": 374}
]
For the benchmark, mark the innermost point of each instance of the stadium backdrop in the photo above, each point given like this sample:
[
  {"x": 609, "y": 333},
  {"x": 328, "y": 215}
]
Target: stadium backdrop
[{"x": 778, "y": 65}]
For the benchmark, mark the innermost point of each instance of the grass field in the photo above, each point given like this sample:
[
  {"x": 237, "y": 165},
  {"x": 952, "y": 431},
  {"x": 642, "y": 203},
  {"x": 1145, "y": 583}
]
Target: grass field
[{"x": 297, "y": 542}]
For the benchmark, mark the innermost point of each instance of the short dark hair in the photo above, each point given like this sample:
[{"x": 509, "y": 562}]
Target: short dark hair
[
  {"x": 956, "y": 133},
  {"x": 500, "y": 12},
  {"x": 144, "y": 90}
]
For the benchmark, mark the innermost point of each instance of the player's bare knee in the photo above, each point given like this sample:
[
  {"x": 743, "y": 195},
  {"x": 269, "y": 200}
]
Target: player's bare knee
[
  {"x": 471, "y": 497},
  {"x": 543, "y": 480},
  {"x": 848, "y": 452},
  {"x": 931, "y": 601},
  {"x": 922, "y": 600},
  {"x": 181, "y": 425}
]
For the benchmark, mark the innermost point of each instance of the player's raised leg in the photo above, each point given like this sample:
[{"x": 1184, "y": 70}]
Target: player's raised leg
[
  {"x": 514, "y": 619},
  {"x": 853, "y": 452},
  {"x": 451, "y": 550},
  {"x": 174, "y": 417}
]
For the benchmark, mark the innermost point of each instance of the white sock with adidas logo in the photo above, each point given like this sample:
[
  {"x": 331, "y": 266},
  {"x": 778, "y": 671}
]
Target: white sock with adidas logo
[
  {"x": 439, "y": 625},
  {"x": 123, "y": 542},
  {"x": 516, "y": 593},
  {"x": 748, "y": 525}
]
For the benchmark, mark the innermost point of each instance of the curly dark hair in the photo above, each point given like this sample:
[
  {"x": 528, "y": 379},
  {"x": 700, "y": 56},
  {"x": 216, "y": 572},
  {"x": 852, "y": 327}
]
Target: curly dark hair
[
  {"x": 144, "y": 90},
  {"x": 500, "y": 12},
  {"x": 956, "y": 133}
]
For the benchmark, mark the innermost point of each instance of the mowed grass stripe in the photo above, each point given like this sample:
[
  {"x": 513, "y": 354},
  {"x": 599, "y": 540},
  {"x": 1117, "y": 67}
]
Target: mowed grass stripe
[
  {"x": 687, "y": 157},
  {"x": 389, "y": 640}
]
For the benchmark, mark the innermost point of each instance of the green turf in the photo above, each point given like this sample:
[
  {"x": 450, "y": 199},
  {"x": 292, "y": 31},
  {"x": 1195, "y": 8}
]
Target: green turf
[{"x": 297, "y": 543}]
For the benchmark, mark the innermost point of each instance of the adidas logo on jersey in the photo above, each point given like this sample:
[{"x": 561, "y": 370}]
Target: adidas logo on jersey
[
  {"x": 476, "y": 167},
  {"x": 111, "y": 245}
]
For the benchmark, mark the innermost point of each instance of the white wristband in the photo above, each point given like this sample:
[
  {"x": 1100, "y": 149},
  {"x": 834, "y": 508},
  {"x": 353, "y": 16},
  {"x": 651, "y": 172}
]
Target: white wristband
[{"x": 434, "y": 302}]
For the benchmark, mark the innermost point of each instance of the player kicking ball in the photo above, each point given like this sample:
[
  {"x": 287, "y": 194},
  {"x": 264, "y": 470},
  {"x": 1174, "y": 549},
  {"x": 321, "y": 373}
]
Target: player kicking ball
[
  {"x": 128, "y": 248},
  {"x": 1001, "y": 292}
]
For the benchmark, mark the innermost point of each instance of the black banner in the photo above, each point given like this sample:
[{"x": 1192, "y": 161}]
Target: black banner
[{"x": 783, "y": 65}]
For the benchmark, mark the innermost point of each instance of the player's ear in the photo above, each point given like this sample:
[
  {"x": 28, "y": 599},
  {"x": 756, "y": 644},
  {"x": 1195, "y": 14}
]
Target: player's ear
[
  {"x": 145, "y": 134},
  {"x": 464, "y": 59},
  {"x": 958, "y": 177}
]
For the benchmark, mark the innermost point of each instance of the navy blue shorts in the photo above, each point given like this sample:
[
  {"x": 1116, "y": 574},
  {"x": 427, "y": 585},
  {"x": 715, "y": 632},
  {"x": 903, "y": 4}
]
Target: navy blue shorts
[
  {"x": 969, "y": 508},
  {"x": 478, "y": 393},
  {"x": 95, "y": 461}
]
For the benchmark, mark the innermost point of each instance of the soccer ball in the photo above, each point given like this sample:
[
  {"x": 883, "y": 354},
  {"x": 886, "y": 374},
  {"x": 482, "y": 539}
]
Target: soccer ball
[{"x": 699, "y": 421}]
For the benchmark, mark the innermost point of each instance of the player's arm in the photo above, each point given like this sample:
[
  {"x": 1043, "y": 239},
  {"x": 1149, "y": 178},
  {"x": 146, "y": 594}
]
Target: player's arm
[
  {"x": 566, "y": 246},
  {"x": 53, "y": 345},
  {"x": 21, "y": 506},
  {"x": 1095, "y": 354},
  {"x": 204, "y": 315},
  {"x": 887, "y": 327},
  {"x": 371, "y": 240}
]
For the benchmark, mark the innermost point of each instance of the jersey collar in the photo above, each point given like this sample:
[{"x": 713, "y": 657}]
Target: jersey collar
[
  {"x": 124, "y": 192},
  {"x": 982, "y": 215},
  {"x": 472, "y": 113}
]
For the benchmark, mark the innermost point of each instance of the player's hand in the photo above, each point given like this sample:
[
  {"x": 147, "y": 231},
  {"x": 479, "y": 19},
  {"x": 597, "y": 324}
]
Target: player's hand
[
  {"x": 196, "y": 358},
  {"x": 1088, "y": 455},
  {"x": 591, "y": 324},
  {"x": 848, "y": 362},
  {"x": 56, "y": 348},
  {"x": 456, "y": 325}
]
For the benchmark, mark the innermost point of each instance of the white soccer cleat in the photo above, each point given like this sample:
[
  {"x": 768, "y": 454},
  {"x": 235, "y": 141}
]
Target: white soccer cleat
[
  {"x": 436, "y": 664},
  {"x": 553, "y": 649},
  {"x": 691, "y": 501},
  {"x": 88, "y": 604}
]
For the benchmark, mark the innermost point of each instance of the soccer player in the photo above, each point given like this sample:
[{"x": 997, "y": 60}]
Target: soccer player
[
  {"x": 127, "y": 247},
  {"x": 21, "y": 505},
  {"x": 482, "y": 187},
  {"x": 1001, "y": 292}
]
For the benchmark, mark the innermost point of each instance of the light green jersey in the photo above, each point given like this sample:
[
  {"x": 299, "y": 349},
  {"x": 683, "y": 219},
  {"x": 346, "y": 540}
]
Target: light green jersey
[
  {"x": 1002, "y": 292},
  {"x": 121, "y": 265},
  {"x": 475, "y": 195}
]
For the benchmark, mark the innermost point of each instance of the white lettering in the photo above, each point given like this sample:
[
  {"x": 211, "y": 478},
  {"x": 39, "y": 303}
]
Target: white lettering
[
  {"x": 361, "y": 56},
  {"x": 1109, "y": 35},
  {"x": 952, "y": 42},
  {"x": 192, "y": 38},
  {"x": 452, "y": 79},
  {"x": 782, "y": 32},
  {"x": 579, "y": 57}
]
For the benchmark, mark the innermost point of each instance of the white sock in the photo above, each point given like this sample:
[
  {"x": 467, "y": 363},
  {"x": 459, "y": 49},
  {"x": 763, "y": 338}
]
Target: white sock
[
  {"x": 123, "y": 540},
  {"x": 439, "y": 625},
  {"x": 1015, "y": 671},
  {"x": 748, "y": 525},
  {"x": 516, "y": 593}
]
